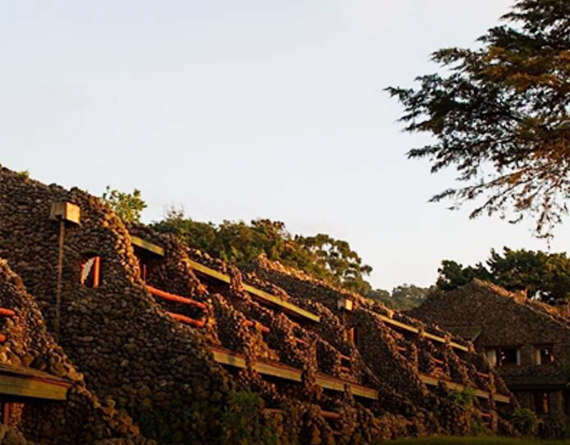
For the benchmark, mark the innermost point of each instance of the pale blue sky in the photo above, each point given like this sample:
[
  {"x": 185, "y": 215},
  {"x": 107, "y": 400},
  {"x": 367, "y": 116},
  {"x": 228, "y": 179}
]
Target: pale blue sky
[{"x": 238, "y": 110}]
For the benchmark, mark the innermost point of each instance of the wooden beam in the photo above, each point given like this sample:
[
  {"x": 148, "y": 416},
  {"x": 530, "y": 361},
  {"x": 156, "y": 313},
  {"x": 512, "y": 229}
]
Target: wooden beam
[
  {"x": 258, "y": 294},
  {"x": 429, "y": 380},
  {"x": 148, "y": 246},
  {"x": 415, "y": 330},
  {"x": 29, "y": 383},
  {"x": 177, "y": 298},
  {"x": 22, "y": 387},
  {"x": 272, "y": 369}
]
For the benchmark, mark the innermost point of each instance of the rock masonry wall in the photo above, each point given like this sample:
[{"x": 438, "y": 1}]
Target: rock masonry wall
[
  {"x": 158, "y": 372},
  {"x": 508, "y": 319},
  {"x": 83, "y": 418},
  {"x": 130, "y": 352}
]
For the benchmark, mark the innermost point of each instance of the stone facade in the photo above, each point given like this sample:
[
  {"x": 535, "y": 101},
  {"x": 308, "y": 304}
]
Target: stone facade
[
  {"x": 528, "y": 343},
  {"x": 141, "y": 338}
]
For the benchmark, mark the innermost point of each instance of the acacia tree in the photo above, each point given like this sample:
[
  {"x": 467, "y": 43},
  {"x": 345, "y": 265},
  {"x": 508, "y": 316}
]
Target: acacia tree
[{"x": 501, "y": 116}]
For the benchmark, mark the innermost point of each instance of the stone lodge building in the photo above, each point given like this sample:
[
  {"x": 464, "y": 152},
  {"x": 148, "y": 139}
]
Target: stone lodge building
[{"x": 526, "y": 341}]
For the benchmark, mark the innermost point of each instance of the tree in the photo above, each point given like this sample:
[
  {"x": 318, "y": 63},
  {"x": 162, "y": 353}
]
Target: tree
[
  {"x": 453, "y": 275},
  {"x": 543, "y": 276},
  {"x": 128, "y": 206},
  {"x": 239, "y": 243},
  {"x": 403, "y": 297},
  {"x": 501, "y": 116},
  {"x": 337, "y": 257}
]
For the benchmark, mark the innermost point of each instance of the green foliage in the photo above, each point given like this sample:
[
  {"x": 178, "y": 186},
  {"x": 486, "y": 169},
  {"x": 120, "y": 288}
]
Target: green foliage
[
  {"x": 243, "y": 423},
  {"x": 128, "y": 206},
  {"x": 463, "y": 398},
  {"x": 544, "y": 276},
  {"x": 402, "y": 298},
  {"x": 239, "y": 243},
  {"x": 524, "y": 420},
  {"x": 25, "y": 174},
  {"x": 453, "y": 275},
  {"x": 501, "y": 115},
  {"x": 157, "y": 423},
  {"x": 337, "y": 257},
  {"x": 478, "y": 428}
]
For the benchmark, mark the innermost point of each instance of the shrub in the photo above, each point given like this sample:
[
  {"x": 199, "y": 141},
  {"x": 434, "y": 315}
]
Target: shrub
[{"x": 524, "y": 420}]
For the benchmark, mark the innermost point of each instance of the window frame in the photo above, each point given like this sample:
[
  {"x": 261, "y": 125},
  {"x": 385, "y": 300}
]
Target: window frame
[
  {"x": 94, "y": 269},
  {"x": 537, "y": 354},
  {"x": 493, "y": 354}
]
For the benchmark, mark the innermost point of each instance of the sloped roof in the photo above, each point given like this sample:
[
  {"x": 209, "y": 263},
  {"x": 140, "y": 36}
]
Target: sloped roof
[
  {"x": 486, "y": 288},
  {"x": 470, "y": 333}
]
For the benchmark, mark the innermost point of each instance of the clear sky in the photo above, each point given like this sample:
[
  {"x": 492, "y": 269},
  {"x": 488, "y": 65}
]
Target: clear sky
[{"x": 245, "y": 109}]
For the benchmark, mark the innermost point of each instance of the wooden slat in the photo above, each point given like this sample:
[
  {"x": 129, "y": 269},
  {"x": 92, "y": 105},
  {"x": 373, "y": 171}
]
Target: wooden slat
[
  {"x": 335, "y": 384},
  {"x": 7, "y": 312},
  {"x": 148, "y": 246},
  {"x": 230, "y": 358},
  {"x": 33, "y": 388},
  {"x": 258, "y": 294},
  {"x": 251, "y": 324},
  {"x": 187, "y": 320},
  {"x": 177, "y": 298},
  {"x": 434, "y": 381},
  {"x": 330, "y": 415},
  {"x": 415, "y": 330}
]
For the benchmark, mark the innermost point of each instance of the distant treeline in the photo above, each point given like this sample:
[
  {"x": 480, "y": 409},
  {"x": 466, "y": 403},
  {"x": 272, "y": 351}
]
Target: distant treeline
[{"x": 543, "y": 276}]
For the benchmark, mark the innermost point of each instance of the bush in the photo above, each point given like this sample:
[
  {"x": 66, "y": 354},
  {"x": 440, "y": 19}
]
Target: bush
[
  {"x": 463, "y": 398},
  {"x": 243, "y": 422},
  {"x": 524, "y": 420}
]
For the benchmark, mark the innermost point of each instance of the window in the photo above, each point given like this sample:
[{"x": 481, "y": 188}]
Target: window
[
  {"x": 541, "y": 402},
  {"x": 504, "y": 356},
  {"x": 91, "y": 272},
  {"x": 543, "y": 355},
  {"x": 509, "y": 357},
  {"x": 492, "y": 356},
  {"x": 354, "y": 336}
]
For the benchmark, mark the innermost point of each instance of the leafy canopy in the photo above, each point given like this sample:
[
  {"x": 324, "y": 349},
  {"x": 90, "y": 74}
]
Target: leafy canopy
[
  {"x": 128, "y": 206},
  {"x": 501, "y": 116},
  {"x": 544, "y": 276},
  {"x": 239, "y": 243},
  {"x": 403, "y": 297}
]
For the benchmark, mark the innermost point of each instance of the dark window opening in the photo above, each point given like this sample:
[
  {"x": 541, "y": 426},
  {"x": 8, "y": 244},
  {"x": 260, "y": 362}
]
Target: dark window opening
[
  {"x": 541, "y": 401},
  {"x": 503, "y": 356},
  {"x": 508, "y": 357},
  {"x": 91, "y": 272},
  {"x": 543, "y": 355}
]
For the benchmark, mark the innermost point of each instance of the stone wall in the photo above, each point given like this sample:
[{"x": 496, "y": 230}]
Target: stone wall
[
  {"x": 507, "y": 319},
  {"x": 159, "y": 375},
  {"x": 130, "y": 352},
  {"x": 83, "y": 418}
]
